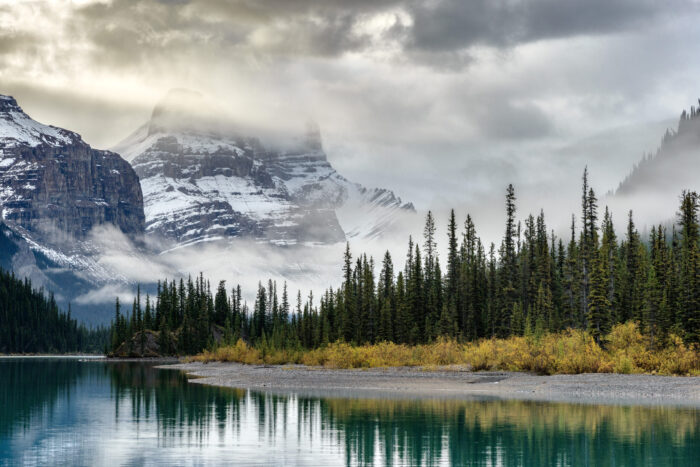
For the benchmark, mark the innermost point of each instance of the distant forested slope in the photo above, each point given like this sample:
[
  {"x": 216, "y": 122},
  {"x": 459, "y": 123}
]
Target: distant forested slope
[{"x": 30, "y": 322}]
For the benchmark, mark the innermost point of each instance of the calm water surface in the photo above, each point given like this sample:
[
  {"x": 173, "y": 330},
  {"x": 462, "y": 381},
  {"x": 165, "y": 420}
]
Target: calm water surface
[{"x": 71, "y": 412}]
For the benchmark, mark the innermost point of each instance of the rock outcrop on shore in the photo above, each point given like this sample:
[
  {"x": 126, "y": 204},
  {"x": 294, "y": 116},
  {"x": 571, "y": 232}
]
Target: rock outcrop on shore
[{"x": 142, "y": 345}]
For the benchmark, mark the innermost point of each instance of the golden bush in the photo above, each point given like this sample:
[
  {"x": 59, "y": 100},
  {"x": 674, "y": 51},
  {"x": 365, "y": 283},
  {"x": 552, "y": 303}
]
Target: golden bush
[{"x": 570, "y": 352}]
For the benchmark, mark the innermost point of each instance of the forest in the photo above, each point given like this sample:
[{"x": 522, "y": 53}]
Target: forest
[
  {"x": 532, "y": 284},
  {"x": 33, "y": 323}
]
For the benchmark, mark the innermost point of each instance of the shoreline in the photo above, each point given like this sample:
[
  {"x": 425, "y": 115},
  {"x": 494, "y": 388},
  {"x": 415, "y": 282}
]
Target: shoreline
[
  {"x": 53, "y": 355},
  {"x": 422, "y": 383}
]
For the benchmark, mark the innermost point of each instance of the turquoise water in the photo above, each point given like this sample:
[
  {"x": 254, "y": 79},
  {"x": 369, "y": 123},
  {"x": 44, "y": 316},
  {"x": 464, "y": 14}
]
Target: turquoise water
[{"x": 70, "y": 412}]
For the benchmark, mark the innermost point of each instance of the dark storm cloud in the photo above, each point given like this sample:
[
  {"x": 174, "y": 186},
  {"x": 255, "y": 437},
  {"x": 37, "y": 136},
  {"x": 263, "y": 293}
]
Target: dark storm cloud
[
  {"x": 457, "y": 24},
  {"x": 131, "y": 31},
  {"x": 419, "y": 84}
]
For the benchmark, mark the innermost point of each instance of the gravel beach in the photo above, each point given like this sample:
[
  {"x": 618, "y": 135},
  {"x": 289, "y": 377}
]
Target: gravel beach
[{"x": 448, "y": 383}]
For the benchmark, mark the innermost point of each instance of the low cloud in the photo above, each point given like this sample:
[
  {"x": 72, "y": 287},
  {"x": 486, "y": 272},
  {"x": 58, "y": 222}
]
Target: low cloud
[{"x": 443, "y": 101}]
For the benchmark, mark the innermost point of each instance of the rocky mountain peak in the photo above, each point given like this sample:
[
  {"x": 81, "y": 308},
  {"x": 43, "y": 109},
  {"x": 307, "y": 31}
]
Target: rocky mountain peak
[
  {"x": 52, "y": 182},
  {"x": 19, "y": 129},
  {"x": 204, "y": 180},
  {"x": 8, "y": 103}
]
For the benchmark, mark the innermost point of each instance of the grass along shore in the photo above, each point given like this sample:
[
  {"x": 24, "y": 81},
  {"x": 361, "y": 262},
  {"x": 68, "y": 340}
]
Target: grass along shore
[{"x": 570, "y": 352}]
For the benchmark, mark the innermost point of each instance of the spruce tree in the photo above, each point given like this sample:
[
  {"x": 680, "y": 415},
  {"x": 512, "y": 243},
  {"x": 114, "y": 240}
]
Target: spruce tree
[
  {"x": 689, "y": 302},
  {"x": 599, "y": 310},
  {"x": 509, "y": 279}
]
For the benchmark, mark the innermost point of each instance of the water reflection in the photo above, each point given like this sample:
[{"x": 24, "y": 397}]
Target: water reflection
[{"x": 88, "y": 413}]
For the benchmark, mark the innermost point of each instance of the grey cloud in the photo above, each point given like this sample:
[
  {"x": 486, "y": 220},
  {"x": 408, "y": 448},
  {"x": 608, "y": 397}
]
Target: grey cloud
[
  {"x": 272, "y": 61},
  {"x": 13, "y": 42},
  {"x": 509, "y": 120},
  {"x": 134, "y": 30},
  {"x": 457, "y": 24}
]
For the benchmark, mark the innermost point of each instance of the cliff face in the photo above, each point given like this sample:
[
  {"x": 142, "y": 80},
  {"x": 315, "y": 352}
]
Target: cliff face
[
  {"x": 204, "y": 182},
  {"x": 52, "y": 182},
  {"x": 54, "y": 189}
]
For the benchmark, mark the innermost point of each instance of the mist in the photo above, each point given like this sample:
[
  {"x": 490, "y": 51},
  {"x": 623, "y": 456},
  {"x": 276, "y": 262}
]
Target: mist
[
  {"x": 443, "y": 102},
  {"x": 500, "y": 108}
]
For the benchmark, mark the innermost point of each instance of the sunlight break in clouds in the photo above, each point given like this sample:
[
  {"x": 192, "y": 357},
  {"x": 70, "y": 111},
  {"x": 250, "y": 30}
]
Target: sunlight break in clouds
[{"x": 508, "y": 82}]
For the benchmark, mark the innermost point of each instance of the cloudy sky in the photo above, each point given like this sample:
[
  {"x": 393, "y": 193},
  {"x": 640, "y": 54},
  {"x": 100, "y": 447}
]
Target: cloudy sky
[{"x": 444, "y": 101}]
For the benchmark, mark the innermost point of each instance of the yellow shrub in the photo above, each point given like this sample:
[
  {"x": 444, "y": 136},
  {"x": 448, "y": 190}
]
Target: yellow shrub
[
  {"x": 679, "y": 359},
  {"x": 577, "y": 353},
  {"x": 569, "y": 351},
  {"x": 624, "y": 365},
  {"x": 443, "y": 352},
  {"x": 624, "y": 337},
  {"x": 482, "y": 355},
  {"x": 240, "y": 352}
]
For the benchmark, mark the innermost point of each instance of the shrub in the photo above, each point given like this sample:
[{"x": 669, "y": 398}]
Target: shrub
[
  {"x": 679, "y": 359},
  {"x": 240, "y": 352},
  {"x": 570, "y": 351}
]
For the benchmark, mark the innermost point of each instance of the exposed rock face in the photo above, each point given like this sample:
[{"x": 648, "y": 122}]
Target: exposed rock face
[
  {"x": 55, "y": 189},
  {"x": 203, "y": 182},
  {"x": 52, "y": 182},
  {"x": 142, "y": 345}
]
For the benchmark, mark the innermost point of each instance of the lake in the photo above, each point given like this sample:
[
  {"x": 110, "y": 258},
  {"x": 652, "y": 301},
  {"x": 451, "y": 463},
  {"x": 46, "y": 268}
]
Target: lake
[{"x": 65, "y": 411}]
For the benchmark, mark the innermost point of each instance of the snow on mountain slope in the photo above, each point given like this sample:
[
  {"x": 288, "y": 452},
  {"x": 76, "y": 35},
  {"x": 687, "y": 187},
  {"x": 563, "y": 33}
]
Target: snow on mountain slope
[
  {"x": 18, "y": 129},
  {"x": 203, "y": 182},
  {"x": 54, "y": 191}
]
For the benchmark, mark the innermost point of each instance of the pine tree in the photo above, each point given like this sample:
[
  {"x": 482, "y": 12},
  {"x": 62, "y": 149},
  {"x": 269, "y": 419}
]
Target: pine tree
[
  {"x": 599, "y": 310},
  {"x": 348, "y": 309},
  {"x": 221, "y": 309},
  {"x": 403, "y": 324},
  {"x": 510, "y": 272},
  {"x": 452, "y": 266},
  {"x": 689, "y": 266}
]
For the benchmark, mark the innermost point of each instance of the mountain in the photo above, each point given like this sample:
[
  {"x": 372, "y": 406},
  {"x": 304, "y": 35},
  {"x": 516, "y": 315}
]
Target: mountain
[
  {"x": 674, "y": 166},
  {"x": 51, "y": 180},
  {"x": 88, "y": 224},
  {"x": 54, "y": 190},
  {"x": 204, "y": 180},
  {"x": 654, "y": 185}
]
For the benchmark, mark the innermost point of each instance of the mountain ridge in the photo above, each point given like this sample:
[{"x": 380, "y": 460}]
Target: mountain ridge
[
  {"x": 677, "y": 158},
  {"x": 54, "y": 190},
  {"x": 205, "y": 182}
]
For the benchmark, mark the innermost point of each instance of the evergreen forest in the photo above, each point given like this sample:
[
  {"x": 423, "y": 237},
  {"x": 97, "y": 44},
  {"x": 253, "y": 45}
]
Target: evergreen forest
[
  {"x": 33, "y": 323},
  {"x": 532, "y": 283}
]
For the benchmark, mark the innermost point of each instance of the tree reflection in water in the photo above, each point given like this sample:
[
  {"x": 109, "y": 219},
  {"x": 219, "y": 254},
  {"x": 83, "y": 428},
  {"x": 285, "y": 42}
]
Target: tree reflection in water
[{"x": 158, "y": 413}]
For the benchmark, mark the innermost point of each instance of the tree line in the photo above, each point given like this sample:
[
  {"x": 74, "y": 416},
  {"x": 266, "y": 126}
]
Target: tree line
[
  {"x": 31, "y": 322},
  {"x": 532, "y": 283}
]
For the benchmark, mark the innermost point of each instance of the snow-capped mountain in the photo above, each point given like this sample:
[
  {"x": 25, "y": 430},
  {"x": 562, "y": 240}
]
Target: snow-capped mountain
[
  {"x": 54, "y": 189},
  {"x": 51, "y": 179},
  {"x": 73, "y": 218},
  {"x": 203, "y": 182}
]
